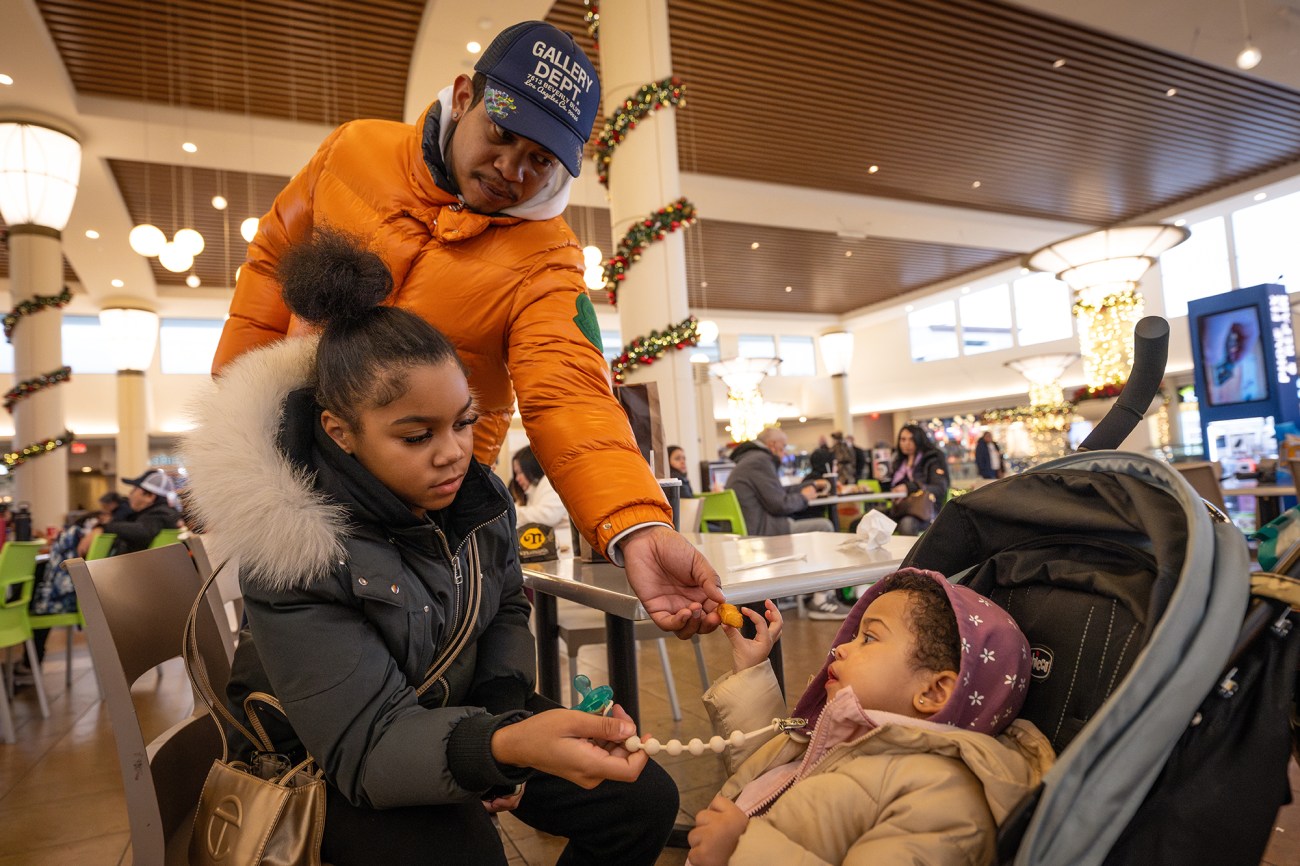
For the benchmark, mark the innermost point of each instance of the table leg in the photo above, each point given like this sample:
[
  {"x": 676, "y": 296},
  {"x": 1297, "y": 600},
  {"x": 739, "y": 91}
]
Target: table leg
[
  {"x": 620, "y": 650},
  {"x": 548, "y": 646}
]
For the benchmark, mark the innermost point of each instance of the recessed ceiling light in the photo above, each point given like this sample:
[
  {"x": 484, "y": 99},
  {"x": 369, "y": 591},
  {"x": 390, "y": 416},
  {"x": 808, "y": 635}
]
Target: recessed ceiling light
[
  {"x": 473, "y": 47},
  {"x": 1249, "y": 57},
  {"x": 1173, "y": 91},
  {"x": 908, "y": 308},
  {"x": 789, "y": 288},
  {"x": 87, "y": 469},
  {"x": 219, "y": 202},
  {"x": 1057, "y": 64},
  {"x": 193, "y": 281},
  {"x": 117, "y": 284},
  {"x": 6, "y": 79},
  {"x": 975, "y": 184},
  {"x": 965, "y": 290},
  {"x": 873, "y": 169},
  {"x": 1024, "y": 270},
  {"x": 1260, "y": 196},
  {"x": 848, "y": 254},
  {"x": 190, "y": 147},
  {"x": 803, "y": 419},
  {"x": 92, "y": 234},
  {"x": 704, "y": 284},
  {"x": 754, "y": 245},
  {"x": 1180, "y": 222}
]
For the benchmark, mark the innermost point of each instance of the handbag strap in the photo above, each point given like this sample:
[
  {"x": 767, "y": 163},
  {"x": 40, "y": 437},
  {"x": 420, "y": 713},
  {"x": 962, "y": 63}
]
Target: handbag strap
[
  {"x": 461, "y": 637},
  {"x": 198, "y": 672}
]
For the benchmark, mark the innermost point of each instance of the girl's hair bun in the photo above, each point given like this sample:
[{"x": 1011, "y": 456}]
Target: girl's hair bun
[{"x": 333, "y": 278}]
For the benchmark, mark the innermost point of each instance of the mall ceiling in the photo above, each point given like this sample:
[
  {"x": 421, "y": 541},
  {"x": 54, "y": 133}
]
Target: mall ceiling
[{"x": 984, "y": 110}]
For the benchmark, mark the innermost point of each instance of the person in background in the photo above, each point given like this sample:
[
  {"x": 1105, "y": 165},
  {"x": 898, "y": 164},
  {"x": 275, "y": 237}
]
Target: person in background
[
  {"x": 541, "y": 503},
  {"x": 846, "y": 462},
  {"x": 912, "y": 752},
  {"x": 918, "y": 465},
  {"x": 464, "y": 206},
  {"x": 819, "y": 460},
  {"x": 114, "y": 505},
  {"x": 151, "y": 501},
  {"x": 861, "y": 463},
  {"x": 988, "y": 457},
  {"x": 677, "y": 466},
  {"x": 768, "y": 506}
]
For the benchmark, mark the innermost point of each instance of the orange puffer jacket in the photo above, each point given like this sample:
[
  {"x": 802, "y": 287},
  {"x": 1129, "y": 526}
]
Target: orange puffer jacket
[{"x": 507, "y": 292}]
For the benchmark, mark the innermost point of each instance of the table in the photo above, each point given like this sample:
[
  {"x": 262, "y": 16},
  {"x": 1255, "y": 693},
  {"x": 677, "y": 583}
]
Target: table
[
  {"x": 829, "y": 502},
  {"x": 1269, "y": 493},
  {"x": 826, "y": 560}
]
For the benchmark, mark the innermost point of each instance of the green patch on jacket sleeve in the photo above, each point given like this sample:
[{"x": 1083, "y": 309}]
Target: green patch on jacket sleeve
[{"x": 586, "y": 321}]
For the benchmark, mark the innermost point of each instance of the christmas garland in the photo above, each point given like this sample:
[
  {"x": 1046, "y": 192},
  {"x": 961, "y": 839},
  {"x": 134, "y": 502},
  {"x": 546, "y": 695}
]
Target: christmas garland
[
  {"x": 35, "y": 305},
  {"x": 36, "y": 449},
  {"x": 655, "y": 227},
  {"x": 646, "y": 350},
  {"x": 28, "y": 387},
  {"x": 650, "y": 98},
  {"x": 592, "y": 20}
]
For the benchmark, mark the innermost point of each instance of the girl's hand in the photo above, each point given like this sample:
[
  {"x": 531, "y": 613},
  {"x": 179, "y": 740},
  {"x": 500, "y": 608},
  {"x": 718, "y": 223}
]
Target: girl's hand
[
  {"x": 748, "y": 653},
  {"x": 717, "y": 832},
  {"x": 582, "y": 748}
]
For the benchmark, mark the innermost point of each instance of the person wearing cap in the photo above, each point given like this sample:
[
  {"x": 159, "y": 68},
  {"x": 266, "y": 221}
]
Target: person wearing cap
[
  {"x": 150, "y": 499},
  {"x": 464, "y": 208}
]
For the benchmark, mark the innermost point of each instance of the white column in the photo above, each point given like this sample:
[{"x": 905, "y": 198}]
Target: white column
[
  {"x": 644, "y": 177},
  {"x": 840, "y": 392},
  {"x": 132, "y": 424},
  {"x": 36, "y": 268}
]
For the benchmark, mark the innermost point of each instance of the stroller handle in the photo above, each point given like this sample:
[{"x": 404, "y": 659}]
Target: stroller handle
[{"x": 1150, "y": 351}]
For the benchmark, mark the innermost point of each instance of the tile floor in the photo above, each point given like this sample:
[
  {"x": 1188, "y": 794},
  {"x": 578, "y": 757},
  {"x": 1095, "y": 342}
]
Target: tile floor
[{"x": 60, "y": 791}]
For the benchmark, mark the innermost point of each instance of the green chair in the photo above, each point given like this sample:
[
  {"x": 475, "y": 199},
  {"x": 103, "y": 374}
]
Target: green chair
[
  {"x": 722, "y": 506},
  {"x": 869, "y": 485},
  {"x": 99, "y": 548},
  {"x": 164, "y": 538},
  {"x": 17, "y": 578}
]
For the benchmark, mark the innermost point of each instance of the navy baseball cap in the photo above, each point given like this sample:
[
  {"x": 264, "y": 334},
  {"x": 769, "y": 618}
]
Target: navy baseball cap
[{"x": 540, "y": 85}]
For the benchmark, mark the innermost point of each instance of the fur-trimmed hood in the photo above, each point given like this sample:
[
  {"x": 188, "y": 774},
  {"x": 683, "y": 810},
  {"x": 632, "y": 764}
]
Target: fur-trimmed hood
[{"x": 234, "y": 442}]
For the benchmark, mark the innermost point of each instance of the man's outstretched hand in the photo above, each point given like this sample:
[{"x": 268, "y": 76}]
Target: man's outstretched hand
[{"x": 674, "y": 581}]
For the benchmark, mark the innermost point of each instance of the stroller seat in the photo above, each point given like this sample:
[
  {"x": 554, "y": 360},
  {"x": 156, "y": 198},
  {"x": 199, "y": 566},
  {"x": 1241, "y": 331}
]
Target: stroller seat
[{"x": 1131, "y": 596}]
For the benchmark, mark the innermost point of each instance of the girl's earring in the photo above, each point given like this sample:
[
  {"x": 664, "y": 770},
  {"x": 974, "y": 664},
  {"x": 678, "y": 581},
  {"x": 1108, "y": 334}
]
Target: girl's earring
[{"x": 455, "y": 115}]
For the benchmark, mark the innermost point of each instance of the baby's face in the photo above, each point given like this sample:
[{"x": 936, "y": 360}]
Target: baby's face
[{"x": 877, "y": 664}]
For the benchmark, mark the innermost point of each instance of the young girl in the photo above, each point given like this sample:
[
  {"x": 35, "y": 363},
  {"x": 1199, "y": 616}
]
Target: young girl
[
  {"x": 911, "y": 754},
  {"x": 339, "y": 471}
]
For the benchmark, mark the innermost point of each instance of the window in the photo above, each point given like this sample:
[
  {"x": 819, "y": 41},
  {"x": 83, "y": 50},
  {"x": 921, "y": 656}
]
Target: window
[
  {"x": 1196, "y": 268},
  {"x": 86, "y": 346},
  {"x": 1264, "y": 235},
  {"x": 712, "y": 351},
  {"x": 6, "y": 357},
  {"x": 757, "y": 346},
  {"x": 187, "y": 346},
  {"x": 985, "y": 320},
  {"x": 933, "y": 332},
  {"x": 1042, "y": 309},
  {"x": 798, "y": 356},
  {"x": 612, "y": 343}
]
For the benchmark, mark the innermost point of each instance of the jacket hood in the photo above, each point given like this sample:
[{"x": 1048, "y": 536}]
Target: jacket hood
[
  {"x": 749, "y": 447},
  {"x": 994, "y": 674},
  {"x": 244, "y": 490}
]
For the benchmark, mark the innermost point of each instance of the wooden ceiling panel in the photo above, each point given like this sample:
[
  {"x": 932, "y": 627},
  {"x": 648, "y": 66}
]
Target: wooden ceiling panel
[
  {"x": 173, "y": 197},
  {"x": 320, "y": 62},
  {"x": 827, "y": 274}
]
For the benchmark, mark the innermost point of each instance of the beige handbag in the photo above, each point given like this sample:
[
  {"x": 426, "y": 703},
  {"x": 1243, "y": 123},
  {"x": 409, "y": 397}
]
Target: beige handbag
[
  {"x": 277, "y": 818},
  {"x": 244, "y": 819}
]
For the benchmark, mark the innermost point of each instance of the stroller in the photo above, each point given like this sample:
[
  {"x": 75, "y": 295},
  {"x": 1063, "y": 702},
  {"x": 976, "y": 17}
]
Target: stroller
[{"x": 1164, "y": 686}]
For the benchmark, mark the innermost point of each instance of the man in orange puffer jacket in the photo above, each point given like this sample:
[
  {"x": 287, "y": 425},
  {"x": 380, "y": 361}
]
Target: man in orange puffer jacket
[{"x": 464, "y": 208}]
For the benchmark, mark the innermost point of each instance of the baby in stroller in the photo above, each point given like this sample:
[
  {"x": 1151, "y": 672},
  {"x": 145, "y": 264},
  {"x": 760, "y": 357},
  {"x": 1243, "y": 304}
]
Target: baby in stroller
[{"x": 912, "y": 752}]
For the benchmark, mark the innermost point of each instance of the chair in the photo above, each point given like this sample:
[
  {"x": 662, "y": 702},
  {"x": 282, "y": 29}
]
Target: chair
[
  {"x": 1204, "y": 478},
  {"x": 226, "y": 598},
  {"x": 17, "y": 577},
  {"x": 99, "y": 548},
  {"x": 136, "y": 606},
  {"x": 688, "y": 514},
  {"x": 580, "y": 625},
  {"x": 869, "y": 485},
  {"x": 164, "y": 538},
  {"x": 722, "y": 505}
]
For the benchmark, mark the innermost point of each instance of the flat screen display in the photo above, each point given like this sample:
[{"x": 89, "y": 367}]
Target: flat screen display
[{"x": 1232, "y": 356}]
